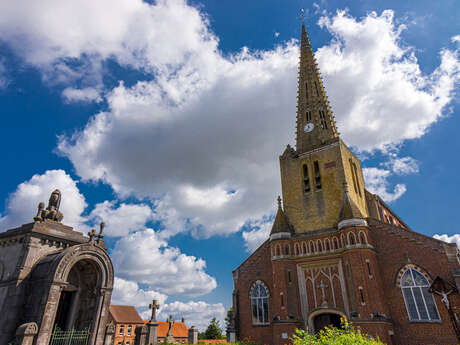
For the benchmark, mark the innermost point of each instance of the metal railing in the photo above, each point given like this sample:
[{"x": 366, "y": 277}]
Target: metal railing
[{"x": 70, "y": 337}]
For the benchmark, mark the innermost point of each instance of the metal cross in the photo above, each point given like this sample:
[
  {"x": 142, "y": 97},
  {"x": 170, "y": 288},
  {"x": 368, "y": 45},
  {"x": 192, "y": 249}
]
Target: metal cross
[
  {"x": 154, "y": 306},
  {"x": 323, "y": 286}
]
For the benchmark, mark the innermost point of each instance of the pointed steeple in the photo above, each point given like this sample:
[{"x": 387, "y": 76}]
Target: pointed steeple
[
  {"x": 281, "y": 224},
  {"x": 315, "y": 122}
]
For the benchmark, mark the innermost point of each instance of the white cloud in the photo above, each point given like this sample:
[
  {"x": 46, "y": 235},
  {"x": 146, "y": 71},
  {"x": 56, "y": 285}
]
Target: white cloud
[
  {"x": 196, "y": 314},
  {"x": 22, "y": 204},
  {"x": 127, "y": 292},
  {"x": 202, "y": 141},
  {"x": 375, "y": 84},
  {"x": 88, "y": 94},
  {"x": 377, "y": 182},
  {"x": 121, "y": 220},
  {"x": 146, "y": 259},
  {"x": 257, "y": 235},
  {"x": 449, "y": 239},
  {"x": 4, "y": 81},
  {"x": 75, "y": 36},
  {"x": 402, "y": 165}
]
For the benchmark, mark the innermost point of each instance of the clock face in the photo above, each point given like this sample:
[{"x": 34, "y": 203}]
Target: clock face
[{"x": 309, "y": 127}]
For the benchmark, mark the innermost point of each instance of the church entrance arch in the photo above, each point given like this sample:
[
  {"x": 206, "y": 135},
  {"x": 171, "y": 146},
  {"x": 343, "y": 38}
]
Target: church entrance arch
[{"x": 324, "y": 318}]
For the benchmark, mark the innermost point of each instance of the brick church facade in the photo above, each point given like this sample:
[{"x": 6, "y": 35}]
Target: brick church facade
[{"x": 336, "y": 250}]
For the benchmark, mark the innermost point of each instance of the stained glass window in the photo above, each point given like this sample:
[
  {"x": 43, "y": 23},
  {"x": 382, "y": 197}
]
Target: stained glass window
[
  {"x": 419, "y": 301},
  {"x": 259, "y": 303}
]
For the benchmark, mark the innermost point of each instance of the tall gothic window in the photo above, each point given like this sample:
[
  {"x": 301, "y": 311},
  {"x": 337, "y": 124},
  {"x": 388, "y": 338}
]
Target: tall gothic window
[
  {"x": 308, "y": 116},
  {"x": 306, "y": 90},
  {"x": 419, "y": 301},
  {"x": 317, "y": 175},
  {"x": 322, "y": 116},
  {"x": 259, "y": 304},
  {"x": 306, "y": 180}
]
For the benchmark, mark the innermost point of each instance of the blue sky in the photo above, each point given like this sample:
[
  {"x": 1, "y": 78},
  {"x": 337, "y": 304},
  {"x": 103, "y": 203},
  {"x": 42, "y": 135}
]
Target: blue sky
[{"x": 165, "y": 119}]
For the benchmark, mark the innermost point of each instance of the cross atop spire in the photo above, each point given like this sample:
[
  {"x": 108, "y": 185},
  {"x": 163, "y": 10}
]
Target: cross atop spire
[{"x": 315, "y": 123}]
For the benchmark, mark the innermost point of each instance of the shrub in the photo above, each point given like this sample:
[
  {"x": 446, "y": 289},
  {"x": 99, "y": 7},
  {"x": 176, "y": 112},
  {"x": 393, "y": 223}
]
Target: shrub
[{"x": 346, "y": 335}]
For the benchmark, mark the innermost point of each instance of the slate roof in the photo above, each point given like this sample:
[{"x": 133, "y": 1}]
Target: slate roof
[{"x": 125, "y": 314}]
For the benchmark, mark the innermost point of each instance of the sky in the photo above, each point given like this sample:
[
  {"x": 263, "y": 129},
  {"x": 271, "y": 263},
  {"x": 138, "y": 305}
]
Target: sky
[{"x": 165, "y": 120}]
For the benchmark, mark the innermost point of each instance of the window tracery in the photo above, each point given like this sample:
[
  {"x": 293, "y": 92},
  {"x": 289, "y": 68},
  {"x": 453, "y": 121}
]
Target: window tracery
[
  {"x": 259, "y": 303},
  {"x": 420, "y": 303}
]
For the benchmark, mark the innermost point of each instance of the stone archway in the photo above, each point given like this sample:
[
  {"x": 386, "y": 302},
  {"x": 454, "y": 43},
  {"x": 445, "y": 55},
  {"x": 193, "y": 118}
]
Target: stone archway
[
  {"x": 79, "y": 292},
  {"x": 325, "y": 317}
]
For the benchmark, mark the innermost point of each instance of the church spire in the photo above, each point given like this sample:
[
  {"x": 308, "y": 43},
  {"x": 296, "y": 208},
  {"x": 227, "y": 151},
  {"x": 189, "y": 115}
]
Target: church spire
[{"x": 315, "y": 123}]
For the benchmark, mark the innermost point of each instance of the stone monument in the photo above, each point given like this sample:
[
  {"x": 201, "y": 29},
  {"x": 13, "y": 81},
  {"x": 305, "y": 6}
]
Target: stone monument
[{"x": 53, "y": 278}]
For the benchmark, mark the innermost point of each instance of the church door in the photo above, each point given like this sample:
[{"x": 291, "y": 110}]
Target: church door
[{"x": 327, "y": 319}]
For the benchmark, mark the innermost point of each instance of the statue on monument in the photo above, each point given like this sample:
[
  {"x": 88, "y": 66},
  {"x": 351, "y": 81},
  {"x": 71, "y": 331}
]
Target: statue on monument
[{"x": 52, "y": 211}]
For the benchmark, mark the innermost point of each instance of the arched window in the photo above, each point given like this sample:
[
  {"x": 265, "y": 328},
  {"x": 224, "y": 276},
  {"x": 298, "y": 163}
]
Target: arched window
[
  {"x": 319, "y": 245},
  {"x": 351, "y": 239},
  {"x": 296, "y": 249},
  {"x": 317, "y": 175},
  {"x": 336, "y": 243},
  {"x": 278, "y": 250},
  {"x": 304, "y": 248},
  {"x": 286, "y": 249},
  {"x": 306, "y": 179},
  {"x": 259, "y": 304},
  {"x": 362, "y": 238},
  {"x": 327, "y": 245},
  {"x": 419, "y": 301},
  {"x": 312, "y": 247}
]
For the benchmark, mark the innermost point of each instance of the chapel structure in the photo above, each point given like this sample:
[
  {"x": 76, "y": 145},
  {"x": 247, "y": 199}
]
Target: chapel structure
[
  {"x": 55, "y": 283},
  {"x": 338, "y": 251}
]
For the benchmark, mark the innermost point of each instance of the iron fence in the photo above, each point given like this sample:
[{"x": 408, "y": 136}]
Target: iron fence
[{"x": 70, "y": 337}]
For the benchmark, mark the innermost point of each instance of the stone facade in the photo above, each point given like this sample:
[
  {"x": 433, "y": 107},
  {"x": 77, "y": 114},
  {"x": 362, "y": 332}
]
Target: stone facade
[
  {"x": 338, "y": 251},
  {"x": 52, "y": 277}
]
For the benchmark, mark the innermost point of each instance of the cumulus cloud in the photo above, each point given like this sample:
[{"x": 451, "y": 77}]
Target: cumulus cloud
[
  {"x": 201, "y": 138},
  {"x": 450, "y": 239},
  {"x": 88, "y": 94},
  {"x": 258, "y": 234},
  {"x": 4, "y": 81},
  {"x": 121, "y": 220},
  {"x": 377, "y": 89},
  {"x": 377, "y": 182},
  {"x": 22, "y": 204},
  {"x": 146, "y": 259},
  {"x": 195, "y": 313},
  {"x": 127, "y": 292},
  {"x": 402, "y": 165}
]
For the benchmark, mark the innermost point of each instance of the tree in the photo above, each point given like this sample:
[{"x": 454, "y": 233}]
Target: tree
[
  {"x": 213, "y": 331},
  {"x": 228, "y": 318},
  {"x": 346, "y": 335}
]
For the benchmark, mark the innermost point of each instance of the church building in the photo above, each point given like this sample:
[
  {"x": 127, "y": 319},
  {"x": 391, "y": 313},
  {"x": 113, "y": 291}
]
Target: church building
[{"x": 338, "y": 251}]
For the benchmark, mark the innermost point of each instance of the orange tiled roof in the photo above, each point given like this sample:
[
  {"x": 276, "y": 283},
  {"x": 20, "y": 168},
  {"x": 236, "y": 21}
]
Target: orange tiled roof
[
  {"x": 179, "y": 329},
  {"x": 124, "y": 314}
]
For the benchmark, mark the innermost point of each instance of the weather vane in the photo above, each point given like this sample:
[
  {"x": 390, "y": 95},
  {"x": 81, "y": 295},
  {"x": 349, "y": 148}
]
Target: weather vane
[{"x": 302, "y": 14}]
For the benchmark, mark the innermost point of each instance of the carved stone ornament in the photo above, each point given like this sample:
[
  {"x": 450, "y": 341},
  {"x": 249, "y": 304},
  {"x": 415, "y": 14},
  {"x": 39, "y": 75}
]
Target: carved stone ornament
[
  {"x": 52, "y": 211},
  {"x": 29, "y": 328}
]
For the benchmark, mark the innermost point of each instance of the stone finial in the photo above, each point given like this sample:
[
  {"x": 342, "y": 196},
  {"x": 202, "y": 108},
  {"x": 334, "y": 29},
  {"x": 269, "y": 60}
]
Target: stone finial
[
  {"x": 52, "y": 211},
  {"x": 100, "y": 236},
  {"x": 38, "y": 217},
  {"x": 92, "y": 234},
  {"x": 182, "y": 320},
  {"x": 279, "y": 201}
]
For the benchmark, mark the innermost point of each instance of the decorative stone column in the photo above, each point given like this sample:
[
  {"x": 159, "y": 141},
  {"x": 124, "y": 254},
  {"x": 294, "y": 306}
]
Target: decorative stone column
[
  {"x": 141, "y": 335},
  {"x": 193, "y": 335},
  {"x": 109, "y": 333},
  {"x": 25, "y": 334},
  {"x": 152, "y": 336}
]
